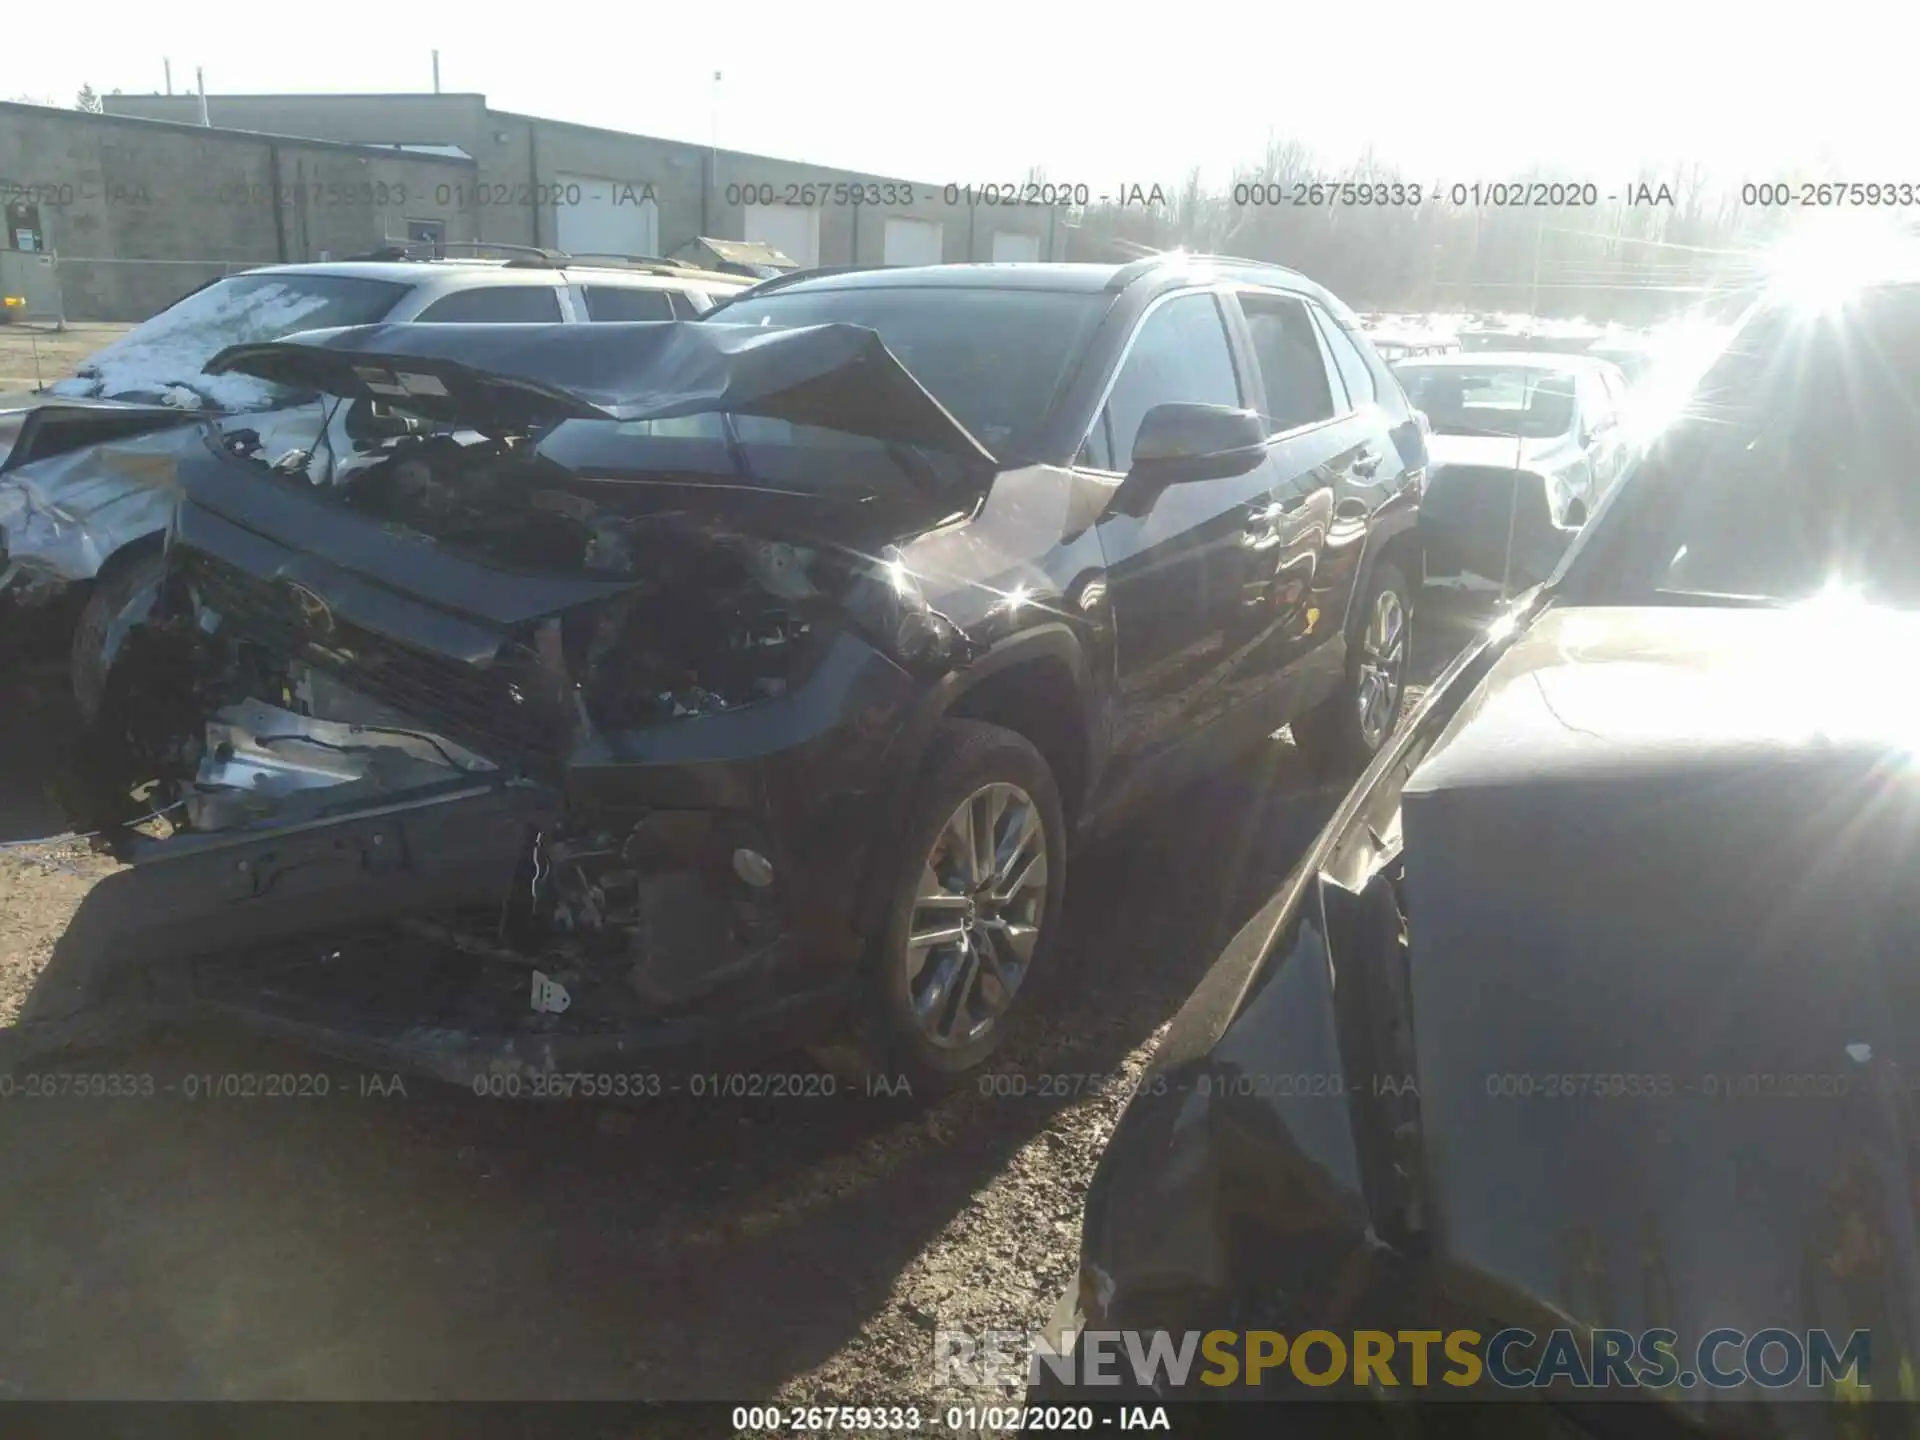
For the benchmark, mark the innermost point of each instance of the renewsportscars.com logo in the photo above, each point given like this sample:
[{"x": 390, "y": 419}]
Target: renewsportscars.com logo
[{"x": 1511, "y": 1359}]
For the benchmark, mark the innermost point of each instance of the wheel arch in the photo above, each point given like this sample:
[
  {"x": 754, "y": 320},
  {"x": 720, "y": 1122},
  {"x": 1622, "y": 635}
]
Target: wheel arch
[
  {"x": 1037, "y": 684},
  {"x": 1395, "y": 536}
]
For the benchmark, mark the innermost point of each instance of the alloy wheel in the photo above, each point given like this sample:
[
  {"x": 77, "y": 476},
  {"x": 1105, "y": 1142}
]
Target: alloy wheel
[
  {"x": 1383, "y": 654},
  {"x": 976, "y": 915}
]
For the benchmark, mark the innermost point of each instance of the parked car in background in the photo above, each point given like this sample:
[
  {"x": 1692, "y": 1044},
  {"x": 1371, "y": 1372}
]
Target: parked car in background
[
  {"x": 749, "y": 676},
  {"x": 1593, "y": 1006},
  {"x": 1634, "y": 355},
  {"x": 81, "y": 518},
  {"x": 1394, "y": 343},
  {"x": 1523, "y": 448}
]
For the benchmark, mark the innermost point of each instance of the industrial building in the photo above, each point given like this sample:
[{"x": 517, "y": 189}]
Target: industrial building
[{"x": 144, "y": 202}]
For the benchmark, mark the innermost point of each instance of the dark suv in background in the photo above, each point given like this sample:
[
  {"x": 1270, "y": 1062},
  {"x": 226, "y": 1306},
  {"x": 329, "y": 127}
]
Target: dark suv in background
[{"x": 745, "y": 673}]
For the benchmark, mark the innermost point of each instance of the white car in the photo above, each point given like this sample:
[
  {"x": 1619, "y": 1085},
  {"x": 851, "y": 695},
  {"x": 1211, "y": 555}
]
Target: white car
[
  {"x": 1522, "y": 447},
  {"x": 84, "y": 502}
]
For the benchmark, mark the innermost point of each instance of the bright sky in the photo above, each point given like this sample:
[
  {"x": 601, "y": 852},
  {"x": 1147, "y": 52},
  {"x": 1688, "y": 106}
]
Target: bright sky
[{"x": 1121, "y": 94}]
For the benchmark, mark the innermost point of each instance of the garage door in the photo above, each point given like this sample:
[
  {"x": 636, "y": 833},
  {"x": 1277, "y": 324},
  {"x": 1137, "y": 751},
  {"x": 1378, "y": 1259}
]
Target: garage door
[
  {"x": 1012, "y": 245},
  {"x": 605, "y": 217},
  {"x": 913, "y": 242},
  {"x": 792, "y": 231}
]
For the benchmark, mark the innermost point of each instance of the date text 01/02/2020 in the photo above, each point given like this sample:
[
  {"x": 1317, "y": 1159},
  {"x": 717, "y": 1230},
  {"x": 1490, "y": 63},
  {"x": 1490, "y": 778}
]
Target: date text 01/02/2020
[
  {"x": 960, "y": 1419},
  {"x": 809, "y": 195}
]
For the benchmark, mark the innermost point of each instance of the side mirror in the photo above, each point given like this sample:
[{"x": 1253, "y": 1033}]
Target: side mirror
[
  {"x": 1426, "y": 425},
  {"x": 1182, "y": 442}
]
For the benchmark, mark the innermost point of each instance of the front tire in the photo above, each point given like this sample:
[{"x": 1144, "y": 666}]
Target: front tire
[
  {"x": 1342, "y": 734},
  {"x": 121, "y": 597},
  {"x": 973, "y": 911}
]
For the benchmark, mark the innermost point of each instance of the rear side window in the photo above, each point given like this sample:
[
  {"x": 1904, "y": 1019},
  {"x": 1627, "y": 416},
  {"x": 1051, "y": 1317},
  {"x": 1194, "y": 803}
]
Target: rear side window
[
  {"x": 1179, "y": 353},
  {"x": 1352, "y": 365},
  {"x": 496, "y": 305},
  {"x": 1293, "y": 371},
  {"x": 611, "y": 302}
]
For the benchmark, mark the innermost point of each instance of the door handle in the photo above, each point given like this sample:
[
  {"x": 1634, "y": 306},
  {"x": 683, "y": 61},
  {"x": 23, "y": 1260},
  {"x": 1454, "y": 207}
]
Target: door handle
[
  {"x": 1366, "y": 463},
  {"x": 1279, "y": 505}
]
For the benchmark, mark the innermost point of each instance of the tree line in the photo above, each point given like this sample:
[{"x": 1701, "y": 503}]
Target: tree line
[{"x": 1636, "y": 253}]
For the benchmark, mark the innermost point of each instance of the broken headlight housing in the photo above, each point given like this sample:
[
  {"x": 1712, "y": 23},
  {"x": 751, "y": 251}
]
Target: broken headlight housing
[{"x": 890, "y": 607}]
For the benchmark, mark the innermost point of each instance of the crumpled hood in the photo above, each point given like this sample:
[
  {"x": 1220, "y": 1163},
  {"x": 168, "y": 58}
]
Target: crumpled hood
[{"x": 838, "y": 377}]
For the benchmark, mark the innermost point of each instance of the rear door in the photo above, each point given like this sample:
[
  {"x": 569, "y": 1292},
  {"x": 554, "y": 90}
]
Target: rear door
[{"x": 1289, "y": 576}]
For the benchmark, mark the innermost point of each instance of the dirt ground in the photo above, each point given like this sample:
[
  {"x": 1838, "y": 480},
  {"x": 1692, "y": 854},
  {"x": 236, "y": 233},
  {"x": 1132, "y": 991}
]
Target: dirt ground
[
  {"x": 418, "y": 1242},
  {"x": 34, "y": 355}
]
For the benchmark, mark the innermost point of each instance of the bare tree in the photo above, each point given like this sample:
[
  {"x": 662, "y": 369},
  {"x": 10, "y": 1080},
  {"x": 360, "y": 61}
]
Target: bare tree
[{"x": 87, "y": 100}]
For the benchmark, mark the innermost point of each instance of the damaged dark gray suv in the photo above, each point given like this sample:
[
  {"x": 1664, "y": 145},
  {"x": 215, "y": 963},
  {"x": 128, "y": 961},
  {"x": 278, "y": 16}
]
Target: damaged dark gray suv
[{"x": 586, "y": 693}]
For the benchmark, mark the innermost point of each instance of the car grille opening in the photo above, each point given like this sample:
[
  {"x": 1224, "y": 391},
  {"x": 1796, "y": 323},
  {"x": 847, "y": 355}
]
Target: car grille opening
[{"x": 498, "y": 711}]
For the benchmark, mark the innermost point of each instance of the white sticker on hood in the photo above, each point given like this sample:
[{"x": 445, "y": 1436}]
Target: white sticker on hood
[
  {"x": 422, "y": 384},
  {"x": 381, "y": 382},
  {"x": 549, "y": 995}
]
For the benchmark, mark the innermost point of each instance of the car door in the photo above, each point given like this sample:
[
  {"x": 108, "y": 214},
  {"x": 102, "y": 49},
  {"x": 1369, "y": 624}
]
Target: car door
[
  {"x": 1161, "y": 554},
  {"x": 1281, "y": 593}
]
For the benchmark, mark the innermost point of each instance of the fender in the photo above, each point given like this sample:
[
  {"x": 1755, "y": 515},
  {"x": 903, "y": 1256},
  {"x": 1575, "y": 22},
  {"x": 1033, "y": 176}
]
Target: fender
[
  {"x": 1054, "y": 641},
  {"x": 1400, "y": 515}
]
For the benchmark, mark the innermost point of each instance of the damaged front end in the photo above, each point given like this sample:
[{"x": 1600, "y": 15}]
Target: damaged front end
[{"x": 641, "y": 681}]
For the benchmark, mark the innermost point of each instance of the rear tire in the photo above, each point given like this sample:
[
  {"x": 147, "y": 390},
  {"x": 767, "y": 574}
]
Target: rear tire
[
  {"x": 1340, "y": 735},
  {"x": 123, "y": 592},
  {"x": 1000, "y": 904}
]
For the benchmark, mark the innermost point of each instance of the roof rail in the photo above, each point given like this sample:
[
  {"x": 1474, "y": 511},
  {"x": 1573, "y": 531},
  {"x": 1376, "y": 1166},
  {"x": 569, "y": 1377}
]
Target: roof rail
[
  {"x": 385, "y": 253},
  {"x": 1133, "y": 270},
  {"x": 646, "y": 264},
  {"x": 1146, "y": 264}
]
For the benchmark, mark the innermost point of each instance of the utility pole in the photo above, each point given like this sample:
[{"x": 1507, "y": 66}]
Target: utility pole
[
  {"x": 436, "y": 72},
  {"x": 168, "y": 66},
  {"x": 200, "y": 79}
]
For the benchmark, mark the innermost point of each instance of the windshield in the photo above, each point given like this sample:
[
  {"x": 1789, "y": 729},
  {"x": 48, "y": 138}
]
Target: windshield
[
  {"x": 1793, "y": 472},
  {"x": 1511, "y": 401},
  {"x": 160, "y": 360},
  {"x": 993, "y": 357}
]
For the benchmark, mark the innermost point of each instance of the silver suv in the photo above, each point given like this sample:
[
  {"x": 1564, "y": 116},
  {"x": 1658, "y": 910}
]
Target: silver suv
[{"x": 84, "y": 501}]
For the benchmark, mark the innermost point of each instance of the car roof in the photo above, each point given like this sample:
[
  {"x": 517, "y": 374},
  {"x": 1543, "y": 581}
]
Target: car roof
[
  {"x": 1510, "y": 359},
  {"x": 997, "y": 275},
  {"x": 1076, "y": 276},
  {"x": 499, "y": 272}
]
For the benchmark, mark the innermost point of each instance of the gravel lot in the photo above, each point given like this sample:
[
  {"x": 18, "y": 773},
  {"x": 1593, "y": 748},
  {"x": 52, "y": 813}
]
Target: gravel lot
[
  {"x": 31, "y": 355},
  {"x": 435, "y": 1245}
]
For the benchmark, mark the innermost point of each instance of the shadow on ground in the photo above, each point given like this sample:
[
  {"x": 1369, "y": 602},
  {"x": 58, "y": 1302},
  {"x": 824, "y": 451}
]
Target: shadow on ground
[{"x": 436, "y": 1245}]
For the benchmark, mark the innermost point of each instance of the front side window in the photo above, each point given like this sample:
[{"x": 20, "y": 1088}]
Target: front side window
[
  {"x": 1179, "y": 353},
  {"x": 496, "y": 305}
]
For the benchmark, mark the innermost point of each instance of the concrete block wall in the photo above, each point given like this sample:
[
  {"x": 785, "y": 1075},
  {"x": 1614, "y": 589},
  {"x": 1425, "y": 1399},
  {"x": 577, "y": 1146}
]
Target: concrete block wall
[
  {"x": 142, "y": 212},
  {"x": 517, "y": 156}
]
